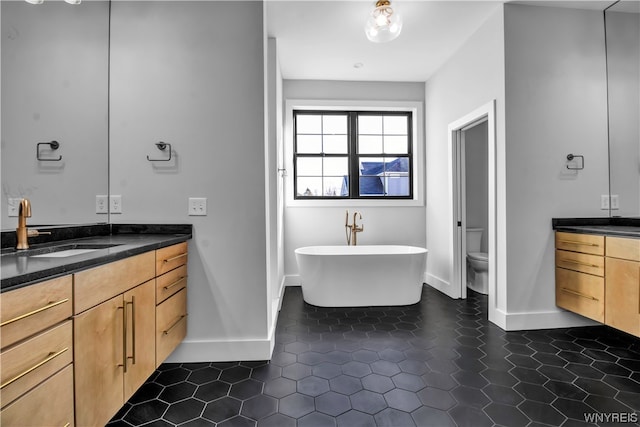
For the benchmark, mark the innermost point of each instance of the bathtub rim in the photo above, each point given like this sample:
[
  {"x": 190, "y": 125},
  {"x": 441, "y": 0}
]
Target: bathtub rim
[{"x": 359, "y": 250}]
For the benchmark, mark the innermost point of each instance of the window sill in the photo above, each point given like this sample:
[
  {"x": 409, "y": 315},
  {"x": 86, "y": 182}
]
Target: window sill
[{"x": 347, "y": 203}]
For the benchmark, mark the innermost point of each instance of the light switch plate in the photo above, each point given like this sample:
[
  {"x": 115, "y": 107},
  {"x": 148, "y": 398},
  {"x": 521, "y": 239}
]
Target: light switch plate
[
  {"x": 116, "y": 204},
  {"x": 604, "y": 201},
  {"x": 197, "y": 206}
]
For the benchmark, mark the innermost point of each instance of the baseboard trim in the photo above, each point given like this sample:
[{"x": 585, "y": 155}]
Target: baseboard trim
[
  {"x": 292, "y": 280},
  {"x": 439, "y": 284},
  {"x": 191, "y": 351}
]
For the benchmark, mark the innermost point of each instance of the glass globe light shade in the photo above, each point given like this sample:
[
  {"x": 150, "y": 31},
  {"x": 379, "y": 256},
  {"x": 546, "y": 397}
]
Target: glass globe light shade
[{"x": 384, "y": 23}]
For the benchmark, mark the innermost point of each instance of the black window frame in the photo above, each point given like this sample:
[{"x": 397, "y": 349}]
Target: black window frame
[{"x": 353, "y": 153}]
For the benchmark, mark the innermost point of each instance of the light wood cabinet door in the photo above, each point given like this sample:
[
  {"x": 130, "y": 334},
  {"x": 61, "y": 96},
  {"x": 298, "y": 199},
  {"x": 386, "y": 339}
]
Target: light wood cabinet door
[
  {"x": 49, "y": 404},
  {"x": 99, "y": 362},
  {"x": 140, "y": 309},
  {"x": 622, "y": 298}
]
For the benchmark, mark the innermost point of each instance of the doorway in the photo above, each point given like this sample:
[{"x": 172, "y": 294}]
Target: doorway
[{"x": 460, "y": 132}]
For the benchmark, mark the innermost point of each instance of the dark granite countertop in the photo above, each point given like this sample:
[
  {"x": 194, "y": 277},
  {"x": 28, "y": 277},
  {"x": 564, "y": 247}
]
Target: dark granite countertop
[
  {"x": 623, "y": 227},
  {"x": 21, "y": 268}
]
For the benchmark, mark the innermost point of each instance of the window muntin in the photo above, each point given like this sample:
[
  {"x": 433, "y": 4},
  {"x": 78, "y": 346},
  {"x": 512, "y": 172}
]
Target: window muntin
[{"x": 353, "y": 154}]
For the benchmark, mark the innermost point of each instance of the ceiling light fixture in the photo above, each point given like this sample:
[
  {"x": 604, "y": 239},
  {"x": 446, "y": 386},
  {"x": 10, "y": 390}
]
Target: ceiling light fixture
[{"x": 384, "y": 23}]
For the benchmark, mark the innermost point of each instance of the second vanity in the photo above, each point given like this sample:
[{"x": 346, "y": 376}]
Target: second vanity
[
  {"x": 81, "y": 332},
  {"x": 598, "y": 270}
]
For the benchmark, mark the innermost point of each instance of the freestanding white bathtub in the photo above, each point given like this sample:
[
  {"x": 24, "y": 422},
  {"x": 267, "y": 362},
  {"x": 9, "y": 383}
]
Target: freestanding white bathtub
[{"x": 357, "y": 276}]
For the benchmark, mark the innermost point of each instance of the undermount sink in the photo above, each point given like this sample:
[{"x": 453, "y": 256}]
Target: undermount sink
[
  {"x": 64, "y": 254},
  {"x": 65, "y": 250}
]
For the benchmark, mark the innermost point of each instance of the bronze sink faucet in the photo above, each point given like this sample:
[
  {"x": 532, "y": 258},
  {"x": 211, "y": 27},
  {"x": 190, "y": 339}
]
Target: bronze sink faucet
[{"x": 22, "y": 232}]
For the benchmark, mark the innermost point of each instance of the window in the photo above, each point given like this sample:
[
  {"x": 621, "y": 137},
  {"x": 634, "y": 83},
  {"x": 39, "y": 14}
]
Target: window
[{"x": 352, "y": 154}]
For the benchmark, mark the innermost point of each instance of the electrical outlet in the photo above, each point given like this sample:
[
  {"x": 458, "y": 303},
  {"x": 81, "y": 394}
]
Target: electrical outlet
[
  {"x": 102, "y": 204},
  {"x": 615, "y": 202},
  {"x": 13, "y": 206},
  {"x": 116, "y": 204},
  {"x": 197, "y": 206},
  {"x": 604, "y": 201}
]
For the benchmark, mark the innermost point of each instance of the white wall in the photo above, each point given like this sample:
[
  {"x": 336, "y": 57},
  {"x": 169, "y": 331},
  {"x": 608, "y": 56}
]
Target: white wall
[
  {"x": 192, "y": 74},
  {"x": 55, "y": 87},
  {"x": 473, "y": 77},
  {"x": 555, "y": 105},
  {"x": 307, "y": 226}
]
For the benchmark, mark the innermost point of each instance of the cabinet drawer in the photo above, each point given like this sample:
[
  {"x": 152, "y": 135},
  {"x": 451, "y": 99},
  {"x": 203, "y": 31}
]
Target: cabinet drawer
[
  {"x": 170, "y": 283},
  {"x": 99, "y": 284},
  {"x": 585, "y": 243},
  {"x": 586, "y": 263},
  {"x": 171, "y": 257},
  {"x": 49, "y": 404},
  {"x": 32, "y": 309},
  {"x": 171, "y": 325},
  {"x": 27, "y": 364},
  {"x": 623, "y": 248},
  {"x": 580, "y": 293}
]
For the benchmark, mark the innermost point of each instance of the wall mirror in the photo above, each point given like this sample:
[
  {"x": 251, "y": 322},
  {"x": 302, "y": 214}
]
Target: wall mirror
[
  {"x": 55, "y": 64},
  {"x": 622, "y": 29}
]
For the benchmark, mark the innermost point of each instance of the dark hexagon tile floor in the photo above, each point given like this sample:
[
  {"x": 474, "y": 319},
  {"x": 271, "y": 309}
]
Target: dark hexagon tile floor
[{"x": 436, "y": 363}]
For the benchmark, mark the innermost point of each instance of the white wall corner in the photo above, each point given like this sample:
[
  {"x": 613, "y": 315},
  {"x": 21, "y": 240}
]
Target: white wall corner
[{"x": 441, "y": 285}]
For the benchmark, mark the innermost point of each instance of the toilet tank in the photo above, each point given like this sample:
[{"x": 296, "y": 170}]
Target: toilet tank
[{"x": 474, "y": 239}]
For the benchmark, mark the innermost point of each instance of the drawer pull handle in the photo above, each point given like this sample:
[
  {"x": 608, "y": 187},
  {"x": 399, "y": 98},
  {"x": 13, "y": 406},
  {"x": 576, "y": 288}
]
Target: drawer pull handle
[
  {"x": 67, "y": 424},
  {"x": 571, "y": 291},
  {"x": 31, "y": 313},
  {"x": 586, "y": 264},
  {"x": 166, "y": 288},
  {"x": 49, "y": 357},
  {"x": 175, "y": 324},
  {"x": 576, "y": 242},
  {"x": 133, "y": 329},
  {"x": 174, "y": 258},
  {"x": 124, "y": 337}
]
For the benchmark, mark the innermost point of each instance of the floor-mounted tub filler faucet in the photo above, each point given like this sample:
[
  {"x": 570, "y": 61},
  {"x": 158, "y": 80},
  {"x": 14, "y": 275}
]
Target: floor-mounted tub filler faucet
[
  {"x": 352, "y": 229},
  {"x": 22, "y": 232}
]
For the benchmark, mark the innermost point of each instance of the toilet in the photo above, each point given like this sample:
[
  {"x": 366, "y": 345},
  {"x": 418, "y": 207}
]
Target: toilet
[{"x": 477, "y": 262}]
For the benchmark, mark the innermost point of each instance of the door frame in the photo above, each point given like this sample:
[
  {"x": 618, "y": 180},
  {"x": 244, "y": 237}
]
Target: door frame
[{"x": 457, "y": 233}]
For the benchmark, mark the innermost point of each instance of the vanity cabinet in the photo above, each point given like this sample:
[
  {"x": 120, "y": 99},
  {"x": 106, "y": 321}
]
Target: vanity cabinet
[
  {"x": 37, "y": 354},
  {"x": 580, "y": 267},
  {"x": 599, "y": 277},
  {"x": 76, "y": 348},
  {"x": 622, "y": 310},
  {"x": 171, "y": 299},
  {"x": 113, "y": 336}
]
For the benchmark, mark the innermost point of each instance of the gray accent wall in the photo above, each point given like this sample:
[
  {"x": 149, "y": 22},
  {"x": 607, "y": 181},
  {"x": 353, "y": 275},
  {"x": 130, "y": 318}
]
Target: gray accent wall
[{"x": 192, "y": 74}]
